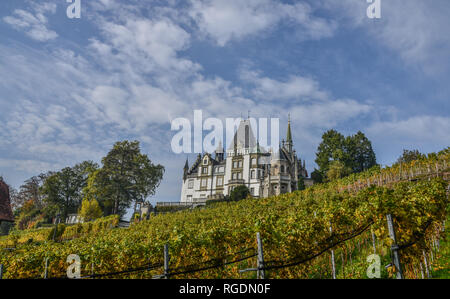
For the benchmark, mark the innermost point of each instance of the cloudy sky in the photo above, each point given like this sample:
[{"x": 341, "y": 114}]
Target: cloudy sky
[{"x": 71, "y": 88}]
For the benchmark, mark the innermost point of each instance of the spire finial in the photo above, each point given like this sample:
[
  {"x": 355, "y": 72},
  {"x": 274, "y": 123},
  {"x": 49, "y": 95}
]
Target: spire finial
[{"x": 289, "y": 133}]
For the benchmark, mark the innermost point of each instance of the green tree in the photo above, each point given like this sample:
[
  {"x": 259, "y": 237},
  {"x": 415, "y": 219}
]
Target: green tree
[
  {"x": 410, "y": 155},
  {"x": 359, "y": 153},
  {"x": 330, "y": 149},
  {"x": 28, "y": 204},
  {"x": 337, "y": 170},
  {"x": 317, "y": 176},
  {"x": 239, "y": 193},
  {"x": 301, "y": 184},
  {"x": 354, "y": 152},
  {"x": 30, "y": 190},
  {"x": 90, "y": 210},
  {"x": 127, "y": 176},
  {"x": 98, "y": 188},
  {"x": 62, "y": 190}
]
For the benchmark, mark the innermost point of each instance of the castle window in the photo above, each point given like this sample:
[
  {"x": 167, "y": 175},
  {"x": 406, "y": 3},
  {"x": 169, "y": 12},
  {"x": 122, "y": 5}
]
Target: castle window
[
  {"x": 240, "y": 164},
  {"x": 253, "y": 174},
  {"x": 235, "y": 164},
  {"x": 253, "y": 161},
  {"x": 282, "y": 169},
  {"x": 191, "y": 184},
  {"x": 219, "y": 181},
  {"x": 204, "y": 183},
  {"x": 205, "y": 170},
  {"x": 252, "y": 191},
  {"x": 205, "y": 162},
  {"x": 189, "y": 198}
]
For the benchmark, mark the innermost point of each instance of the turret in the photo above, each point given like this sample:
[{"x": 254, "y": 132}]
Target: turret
[
  {"x": 289, "y": 143},
  {"x": 185, "y": 169}
]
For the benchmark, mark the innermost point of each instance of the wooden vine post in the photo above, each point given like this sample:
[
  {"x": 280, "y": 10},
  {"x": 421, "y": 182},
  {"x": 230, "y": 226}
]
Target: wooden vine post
[
  {"x": 56, "y": 228},
  {"x": 374, "y": 244},
  {"x": 261, "y": 274},
  {"x": 394, "y": 247},
  {"x": 427, "y": 267},
  {"x": 333, "y": 265},
  {"x": 166, "y": 261},
  {"x": 46, "y": 268},
  {"x": 166, "y": 273}
]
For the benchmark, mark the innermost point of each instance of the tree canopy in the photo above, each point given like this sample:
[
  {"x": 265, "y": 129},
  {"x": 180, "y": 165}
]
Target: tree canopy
[
  {"x": 410, "y": 155},
  {"x": 62, "y": 190},
  {"x": 127, "y": 177},
  {"x": 239, "y": 193},
  {"x": 354, "y": 154}
]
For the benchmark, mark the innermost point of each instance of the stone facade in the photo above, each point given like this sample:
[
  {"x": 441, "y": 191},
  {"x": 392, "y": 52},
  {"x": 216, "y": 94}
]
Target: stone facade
[{"x": 265, "y": 173}]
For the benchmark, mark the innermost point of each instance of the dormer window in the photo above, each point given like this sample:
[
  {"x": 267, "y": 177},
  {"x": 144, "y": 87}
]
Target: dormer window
[{"x": 205, "y": 161}]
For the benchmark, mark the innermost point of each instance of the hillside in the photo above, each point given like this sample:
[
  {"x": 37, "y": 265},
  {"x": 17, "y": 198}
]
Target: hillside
[{"x": 295, "y": 231}]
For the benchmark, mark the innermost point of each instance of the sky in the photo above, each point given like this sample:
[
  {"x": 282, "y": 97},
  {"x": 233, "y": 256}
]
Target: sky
[{"x": 71, "y": 88}]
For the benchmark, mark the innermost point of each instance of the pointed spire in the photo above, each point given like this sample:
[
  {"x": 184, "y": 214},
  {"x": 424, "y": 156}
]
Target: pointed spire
[
  {"x": 289, "y": 133},
  {"x": 186, "y": 169}
]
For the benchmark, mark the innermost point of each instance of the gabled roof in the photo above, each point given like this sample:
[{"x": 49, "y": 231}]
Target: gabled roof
[{"x": 5, "y": 204}]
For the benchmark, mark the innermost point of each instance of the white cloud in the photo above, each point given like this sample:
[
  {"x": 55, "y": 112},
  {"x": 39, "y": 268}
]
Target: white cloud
[
  {"x": 327, "y": 115},
  {"x": 423, "y": 132},
  {"x": 30, "y": 166},
  {"x": 225, "y": 20},
  {"x": 294, "y": 88},
  {"x": 414, "y": 130},
  {"x": 34, "y": 24},
  {"x": 415, "y": 29},
  {"x": 149, "y": 45}
]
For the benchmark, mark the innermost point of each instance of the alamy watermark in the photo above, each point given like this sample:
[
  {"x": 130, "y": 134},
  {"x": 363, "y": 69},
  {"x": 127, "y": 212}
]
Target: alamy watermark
[
  {"x": 374, "y": 9},
  {"x": 374, "y": 269},
  {"x": 74, "y": 9},
  {"x": 74, "y": 269},
  {"x": 208, "y": 135}
]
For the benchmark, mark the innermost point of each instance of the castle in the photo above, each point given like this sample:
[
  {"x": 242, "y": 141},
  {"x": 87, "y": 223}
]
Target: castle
[{"x": 265, "y": 173}]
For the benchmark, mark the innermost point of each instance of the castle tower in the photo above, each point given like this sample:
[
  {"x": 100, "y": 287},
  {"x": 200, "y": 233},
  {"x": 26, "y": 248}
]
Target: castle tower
[
  {"x": 289, "y": 143},
  {"x": 185, "y": 169}
]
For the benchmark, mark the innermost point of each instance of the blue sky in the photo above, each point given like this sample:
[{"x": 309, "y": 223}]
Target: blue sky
[{"x": 71, "y": 88}]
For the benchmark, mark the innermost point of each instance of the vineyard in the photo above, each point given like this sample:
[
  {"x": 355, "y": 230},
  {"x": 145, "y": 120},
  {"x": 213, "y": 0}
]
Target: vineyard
[{"x": 298, "y": 232}]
